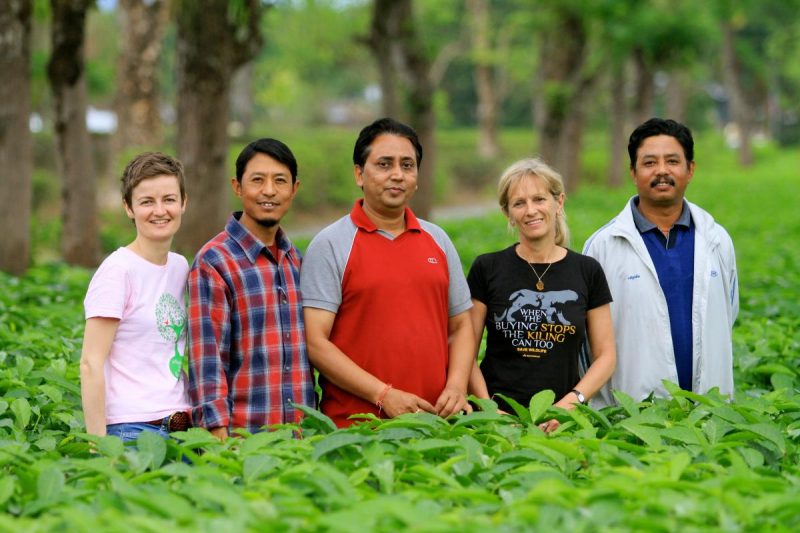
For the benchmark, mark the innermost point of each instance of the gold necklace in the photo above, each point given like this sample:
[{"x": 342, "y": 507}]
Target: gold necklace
[{"x": 539, "y": 283}]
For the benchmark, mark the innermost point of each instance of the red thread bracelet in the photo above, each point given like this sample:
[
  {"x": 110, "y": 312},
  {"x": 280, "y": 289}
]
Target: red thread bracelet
[{"x": 382, "y": 396}]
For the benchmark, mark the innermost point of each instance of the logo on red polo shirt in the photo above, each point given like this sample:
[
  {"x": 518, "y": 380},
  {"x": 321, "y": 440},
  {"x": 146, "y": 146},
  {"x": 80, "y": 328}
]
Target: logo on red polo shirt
[{"x": 433, "y": 260}]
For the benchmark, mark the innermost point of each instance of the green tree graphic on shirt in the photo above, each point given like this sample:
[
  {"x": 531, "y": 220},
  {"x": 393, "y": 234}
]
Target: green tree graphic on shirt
[{"x": 171, "y": 320}]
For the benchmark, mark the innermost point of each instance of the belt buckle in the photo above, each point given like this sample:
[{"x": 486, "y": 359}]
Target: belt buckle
[{"x": 178, "y": 421}]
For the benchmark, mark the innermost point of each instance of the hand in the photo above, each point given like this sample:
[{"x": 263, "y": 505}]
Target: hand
[
  {"x": 220, "y": 432},
  {"x": 451, "y": 401},
  {"x": 549, "y": 426},
  {"x": 569, "y": 401},
  {"x": 396, "y": 402}
]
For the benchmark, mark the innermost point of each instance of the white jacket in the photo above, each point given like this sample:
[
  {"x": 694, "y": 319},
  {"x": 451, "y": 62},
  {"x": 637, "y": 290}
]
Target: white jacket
[{"x": 639, "y": 310}]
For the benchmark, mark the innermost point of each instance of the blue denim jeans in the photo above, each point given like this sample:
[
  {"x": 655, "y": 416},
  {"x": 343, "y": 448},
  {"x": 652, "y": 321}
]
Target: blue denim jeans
[{"x": 129, "y": 431}]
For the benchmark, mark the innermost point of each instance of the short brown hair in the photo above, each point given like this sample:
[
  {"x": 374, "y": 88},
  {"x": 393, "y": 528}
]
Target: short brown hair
[{"x": 149, "y": 165}]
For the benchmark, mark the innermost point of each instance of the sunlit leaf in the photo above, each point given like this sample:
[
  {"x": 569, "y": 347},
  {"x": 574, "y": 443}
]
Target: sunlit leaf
[
  {"x": 110, "y": 446},
  {"x": 22, "y": 412},
  {"x": 540, "y": 403},
  {"x": 315, "y": 419},
  {"x": 335, "y": 441},
  {"x": 153, "y": 446}
]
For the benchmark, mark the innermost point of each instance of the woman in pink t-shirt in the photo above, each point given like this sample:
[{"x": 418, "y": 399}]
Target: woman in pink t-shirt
[{"x": 132, "y": 377}]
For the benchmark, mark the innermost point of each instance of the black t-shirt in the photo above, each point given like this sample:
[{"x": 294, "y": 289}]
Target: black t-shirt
[{"x": 534, "y": 337}]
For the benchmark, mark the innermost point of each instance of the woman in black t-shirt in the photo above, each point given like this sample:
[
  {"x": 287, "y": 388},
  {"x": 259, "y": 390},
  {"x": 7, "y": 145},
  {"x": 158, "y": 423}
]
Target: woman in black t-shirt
[{"x": 539, "y": 300}]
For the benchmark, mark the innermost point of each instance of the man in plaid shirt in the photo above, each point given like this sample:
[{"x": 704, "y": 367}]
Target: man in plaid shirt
[{"x": 248, "y": 364}]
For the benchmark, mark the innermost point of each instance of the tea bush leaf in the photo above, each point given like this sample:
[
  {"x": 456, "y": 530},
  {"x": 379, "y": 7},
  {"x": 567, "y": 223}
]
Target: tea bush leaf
[
  {"x": 565, "y": 448},
  {"x": 681, "y": 434},
  {"x": 335, "y": 441},
  {"x": 257, "y": 466},
  {"x": 110, "y": 446},
  {"x": 22, "y": 412},
  {"x": 478, "y": 418},
  {"x": 46, "y": 443},
  {"x": 194, "y": 438},
  {"x": 539, "y": 405},
  {"x": 580, "y": 418},
  {"x": 782, "y": 381},
  {"x": 152, "y": 448},
  {"x": 384, "y": 472},
  {"x": 647, "y": 434},
  {"x": 678, "y": 465},
  {"x": 260, "y": 442},
  {"x": 397, "y": 434},
  {"x": 594, "y": 414},
  {"x": 50, "y": 484},
  {"x": 768, "y": 432},
  {"x": 434, "y": 444},
  {"x": 522, "y": 413},
  {"x": 426, "y": 474},
  {"x": 7, "y": 484},
  {"x": 484, "y": 404},
  {"x": 25, "y": 364},
  {"x": 315, "y": 420},
  {"x": 626, "y": 402}
]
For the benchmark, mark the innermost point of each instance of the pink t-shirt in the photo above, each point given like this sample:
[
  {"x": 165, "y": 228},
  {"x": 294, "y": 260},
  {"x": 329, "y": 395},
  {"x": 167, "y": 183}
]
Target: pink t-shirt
[{"x": 144, "y": 370}]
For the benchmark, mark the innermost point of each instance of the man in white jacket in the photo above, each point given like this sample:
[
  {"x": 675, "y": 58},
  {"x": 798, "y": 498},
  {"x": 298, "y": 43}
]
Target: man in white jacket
[{"x": 672, "y": 273}]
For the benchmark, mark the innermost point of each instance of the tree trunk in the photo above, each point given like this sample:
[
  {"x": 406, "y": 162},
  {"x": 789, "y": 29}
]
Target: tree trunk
[
  {"x": 488, "y": 146},
  {"x": 242, "y": 98},
  {"x": 66, "y": 72},
  {"x": 645, "y": 91},
  {"x": 420, "y": 105},
  {"x": 617, "y": 163},
  {"x": 564, "y": 81},
  {"x": 740, "y": 110},
  {"x": 16, "y": 154},
  {"x": 570, "y": 148},
  {"x": 401, "y": 45},
  {"x": 211, "y": 46},
  {"x": 423, "y": 119},
  {"x": 386, "y": 17},
  {"x": 137, "y": 99},
  {"x": 677, "y": 95}
]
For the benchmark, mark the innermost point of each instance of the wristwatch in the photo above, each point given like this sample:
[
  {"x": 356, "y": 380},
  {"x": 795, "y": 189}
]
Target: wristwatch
[{"x": 579, "y": 394}]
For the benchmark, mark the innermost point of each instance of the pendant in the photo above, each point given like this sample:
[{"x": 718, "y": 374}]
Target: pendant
[{"x": 539, "y": 285}]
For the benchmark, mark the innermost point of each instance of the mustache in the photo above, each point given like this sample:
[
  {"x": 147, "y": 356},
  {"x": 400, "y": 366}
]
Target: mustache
[{"x": 662, "y": 179}]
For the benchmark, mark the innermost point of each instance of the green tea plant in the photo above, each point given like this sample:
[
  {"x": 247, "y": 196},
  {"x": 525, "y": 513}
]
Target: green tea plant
[{"x": 687, "y": 463}]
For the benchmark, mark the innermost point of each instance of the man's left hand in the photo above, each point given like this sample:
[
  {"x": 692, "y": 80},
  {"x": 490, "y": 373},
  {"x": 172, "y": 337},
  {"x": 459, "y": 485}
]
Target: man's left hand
[{"x": 451, "y": 401}]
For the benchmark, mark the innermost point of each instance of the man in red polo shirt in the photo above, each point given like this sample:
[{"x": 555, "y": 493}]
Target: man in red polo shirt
[{"x": 384, "y": 296}]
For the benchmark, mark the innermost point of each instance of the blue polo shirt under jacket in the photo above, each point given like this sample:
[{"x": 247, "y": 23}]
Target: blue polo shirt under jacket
[{"x": 673, "y": 257}]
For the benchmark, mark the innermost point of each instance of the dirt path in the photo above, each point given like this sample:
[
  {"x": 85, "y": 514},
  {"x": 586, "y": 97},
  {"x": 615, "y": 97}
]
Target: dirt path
[{"x": 306, "y": 226}]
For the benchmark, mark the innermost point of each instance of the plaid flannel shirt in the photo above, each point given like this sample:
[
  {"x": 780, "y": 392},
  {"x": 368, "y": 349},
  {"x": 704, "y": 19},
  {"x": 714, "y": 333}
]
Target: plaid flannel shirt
[{"x": 248, "y": 363}]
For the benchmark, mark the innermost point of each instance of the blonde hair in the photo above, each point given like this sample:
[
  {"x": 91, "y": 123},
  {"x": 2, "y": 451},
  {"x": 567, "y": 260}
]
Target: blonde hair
[{"x": 534, "y": 167}]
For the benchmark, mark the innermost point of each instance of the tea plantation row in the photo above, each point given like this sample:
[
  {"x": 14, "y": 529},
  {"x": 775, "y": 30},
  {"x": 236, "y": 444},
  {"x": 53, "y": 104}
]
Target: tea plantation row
[{"x": 689, "y": 463}]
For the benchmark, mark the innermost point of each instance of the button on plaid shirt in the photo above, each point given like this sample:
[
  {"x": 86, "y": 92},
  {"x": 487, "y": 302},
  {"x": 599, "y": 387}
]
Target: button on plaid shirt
[{"x": 248, "y": 363}]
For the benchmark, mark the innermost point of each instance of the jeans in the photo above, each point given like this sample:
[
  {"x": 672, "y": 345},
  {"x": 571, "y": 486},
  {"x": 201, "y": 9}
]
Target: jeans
[{"x": 129, "y": 431}]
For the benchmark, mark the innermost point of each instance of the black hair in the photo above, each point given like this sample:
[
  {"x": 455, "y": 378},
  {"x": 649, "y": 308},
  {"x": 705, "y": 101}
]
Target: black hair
[
  {"x": 660, "y": 126},
  {"x": 271, "y": 147},
  {"x": 384, "y": 126}
]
